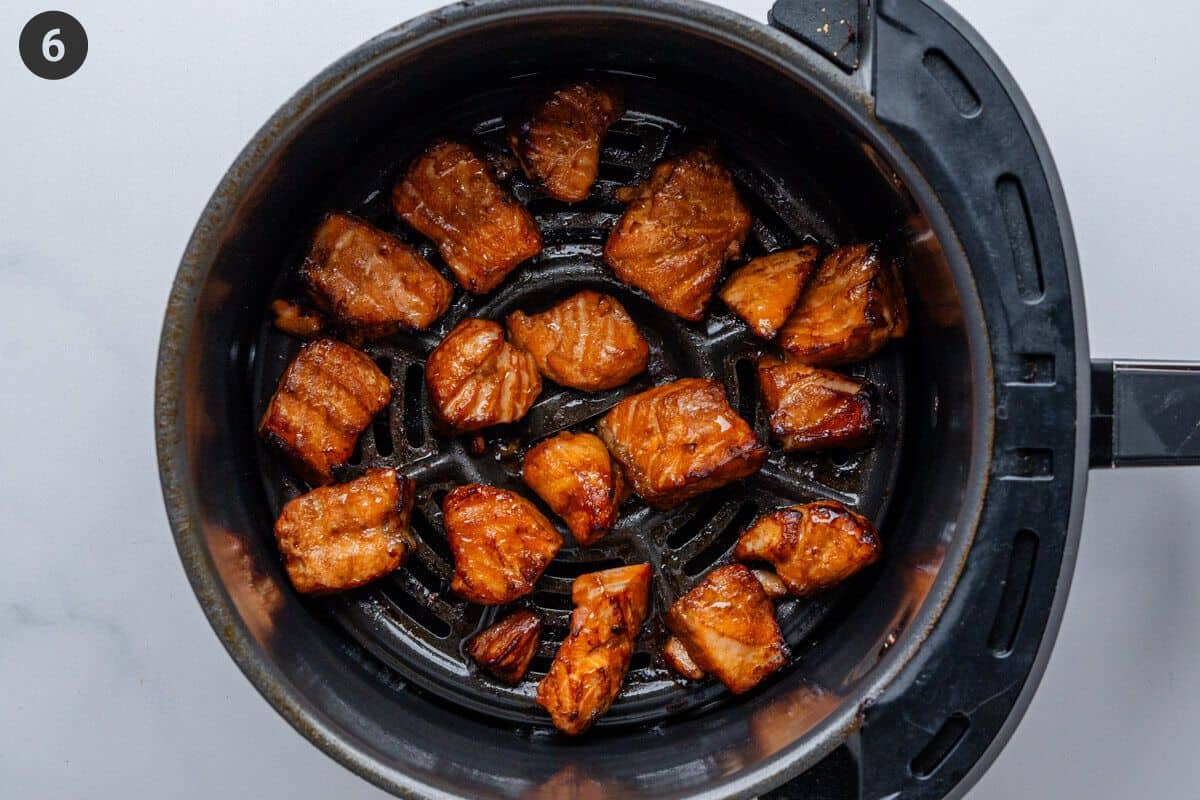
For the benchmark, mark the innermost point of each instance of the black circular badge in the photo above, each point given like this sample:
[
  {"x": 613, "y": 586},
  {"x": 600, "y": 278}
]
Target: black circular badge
[{"x": 53, "y": 45}]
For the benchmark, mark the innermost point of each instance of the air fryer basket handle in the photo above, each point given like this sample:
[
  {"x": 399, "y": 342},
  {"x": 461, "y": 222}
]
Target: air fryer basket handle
[
  {"x": 833, "y": 28},
  {"x": 1145, "y": 413}
]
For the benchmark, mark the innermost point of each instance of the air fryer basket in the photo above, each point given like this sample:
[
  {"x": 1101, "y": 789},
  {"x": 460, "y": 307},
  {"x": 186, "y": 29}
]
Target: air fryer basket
[
  {"x": 375, "y": 676},
  {"x": 411, "y": 621}
]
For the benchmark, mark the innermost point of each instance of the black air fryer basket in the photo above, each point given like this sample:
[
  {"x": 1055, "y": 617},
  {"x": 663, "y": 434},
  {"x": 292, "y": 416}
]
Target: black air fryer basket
[{"x": 840, "y": 122}]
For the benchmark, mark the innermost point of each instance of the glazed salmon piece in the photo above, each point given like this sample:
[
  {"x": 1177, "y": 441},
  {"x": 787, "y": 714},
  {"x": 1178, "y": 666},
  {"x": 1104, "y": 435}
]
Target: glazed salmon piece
[
  {"x": 587, "y": 341},
  {"x": 327, "y": 396},
  {"x": 812, "y": 546},
  {"x": 813, "y": 409},
  {"x": 369, "y": 281},
  {"x": 340, "y": 537},
  {"x": 852, "y": 307},
  {"x": 726, "y": 624},
  {"x": 678, "y": 231},
  {"x": 680, "y": 439},
  {"x": 451, "y": 194},
  {"x": 558, "y": 141},
  {"x": 574, "y": 474},
  {"x": 586, "y": 676},
  {"x": 506, "y": 648},
  {"x": 500, "y": 541},
  {"x": 476, "y": 379},
  {"x": 675, "y": 655},
  {"x": 766, "y": 291},
  {"x": 297, "y": 320}
]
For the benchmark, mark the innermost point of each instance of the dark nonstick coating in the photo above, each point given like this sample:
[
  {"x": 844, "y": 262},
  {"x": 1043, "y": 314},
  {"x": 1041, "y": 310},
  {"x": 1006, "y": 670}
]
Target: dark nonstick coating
[{"x": 410, "y": 620}]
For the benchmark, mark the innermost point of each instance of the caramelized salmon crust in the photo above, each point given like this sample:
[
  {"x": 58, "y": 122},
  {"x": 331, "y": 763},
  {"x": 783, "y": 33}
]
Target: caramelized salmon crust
[
  {"x": 327, "y": 396},
  {"x": 854, "y": 305},
  {"x": 815, "y": 408},
  {"x": 812, "y": 546},
  {"x": 680, "y": 439},
  {"x": 339, "y": 537},
  {"x": 727, "y": 626},
  {"x": 587, "y": 341},
  {"x": 765, "y": 291},
  {"x": 476, "y": 379},
  {"x": 506, "y": 648},
  {"x": 500, "y": 541},
  {"x": 574, "y": 474},
  {"x": 296, "y": 320},
  {"x": 371, "y": 282},
  {"x": 678, "y": 231},
  {"x": 451, "y": 195},
  {"x": 558, "y": 142},
  {"x": 591, "y": 663}
]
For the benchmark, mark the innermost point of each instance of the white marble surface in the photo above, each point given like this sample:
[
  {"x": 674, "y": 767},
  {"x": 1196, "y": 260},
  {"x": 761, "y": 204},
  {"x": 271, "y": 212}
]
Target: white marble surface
[{"x": 114, "y": 686}]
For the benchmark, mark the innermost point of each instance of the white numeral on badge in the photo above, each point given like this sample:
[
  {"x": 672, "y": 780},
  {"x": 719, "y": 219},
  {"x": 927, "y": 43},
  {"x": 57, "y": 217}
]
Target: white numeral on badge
[{"x": 52, "y": 46}]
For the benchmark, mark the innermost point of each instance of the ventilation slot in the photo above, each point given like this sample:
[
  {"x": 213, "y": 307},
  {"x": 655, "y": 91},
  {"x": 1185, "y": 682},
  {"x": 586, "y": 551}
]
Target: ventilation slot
[
  {"x": 747, "y": 389},
  {"x": 1027, "y": 265},
  {"x": 640, "y": 660},
  {"x": 430, "y": 536},
  {"x": 574, "y": 228},
  {"x": 573, "y": 569},
  {"x": 934, "y": 754},
  {"x": 617, "y": 139},
  {"x": 689, "y": 530},
  {"x": 381, "y": 426},
  {"x": 952, "y": 82},
  {"x": 1026, "y": 463},
  {"x": 424, "y": 575},
  {"x": 1016, "y": 594},
  {"x": 414, "y": 428},
  {"x": 421, "y": 615},
  {"x": 841, "y": 457},
  {"x": 711, "y": 554},
  {"x": 540, "y": 665},
  {"x": 552, "y": 601},
  {"x": 765, "y": 237},
  {"x": 619, "y": 173}
]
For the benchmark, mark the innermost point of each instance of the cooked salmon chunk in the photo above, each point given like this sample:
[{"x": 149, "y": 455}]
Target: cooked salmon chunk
[
  {"x": 558, "y": 142},
  {"x": 812, "y": 546},
  {"x": 765, "y": 291},
  {"x": 506, "y": 648},
  {"x": 772, "y": 584},
  {"x": 851, "y": 308},
  {"x": 297, "y": 320},
  {"x": 676, "y": 657},
  {"x": 814, "y": 408},
  {"x": 590, "y": 665},
  {"x": 727, "y": 625},
  {"x": 680, "y": 439},
  {"x": 678, "y": 231},
  {"x": 500, "y": 541},
  {"x": 476, "y": 379},
  {"x": 451, "y": 195},
  {"x": 327, "y": 397},
  {"x": 675, "y": 653},
  {"x": 587, "y": 341},
  {"x": 574, "y": 475},
  {"x": 369, "y": 281},
  {"x": 339, "y": 537}
]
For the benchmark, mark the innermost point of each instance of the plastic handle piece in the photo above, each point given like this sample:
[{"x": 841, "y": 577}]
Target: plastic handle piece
[
  {"x": 834, "y": 28},
  {"x": 1145, "y": 413}
]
